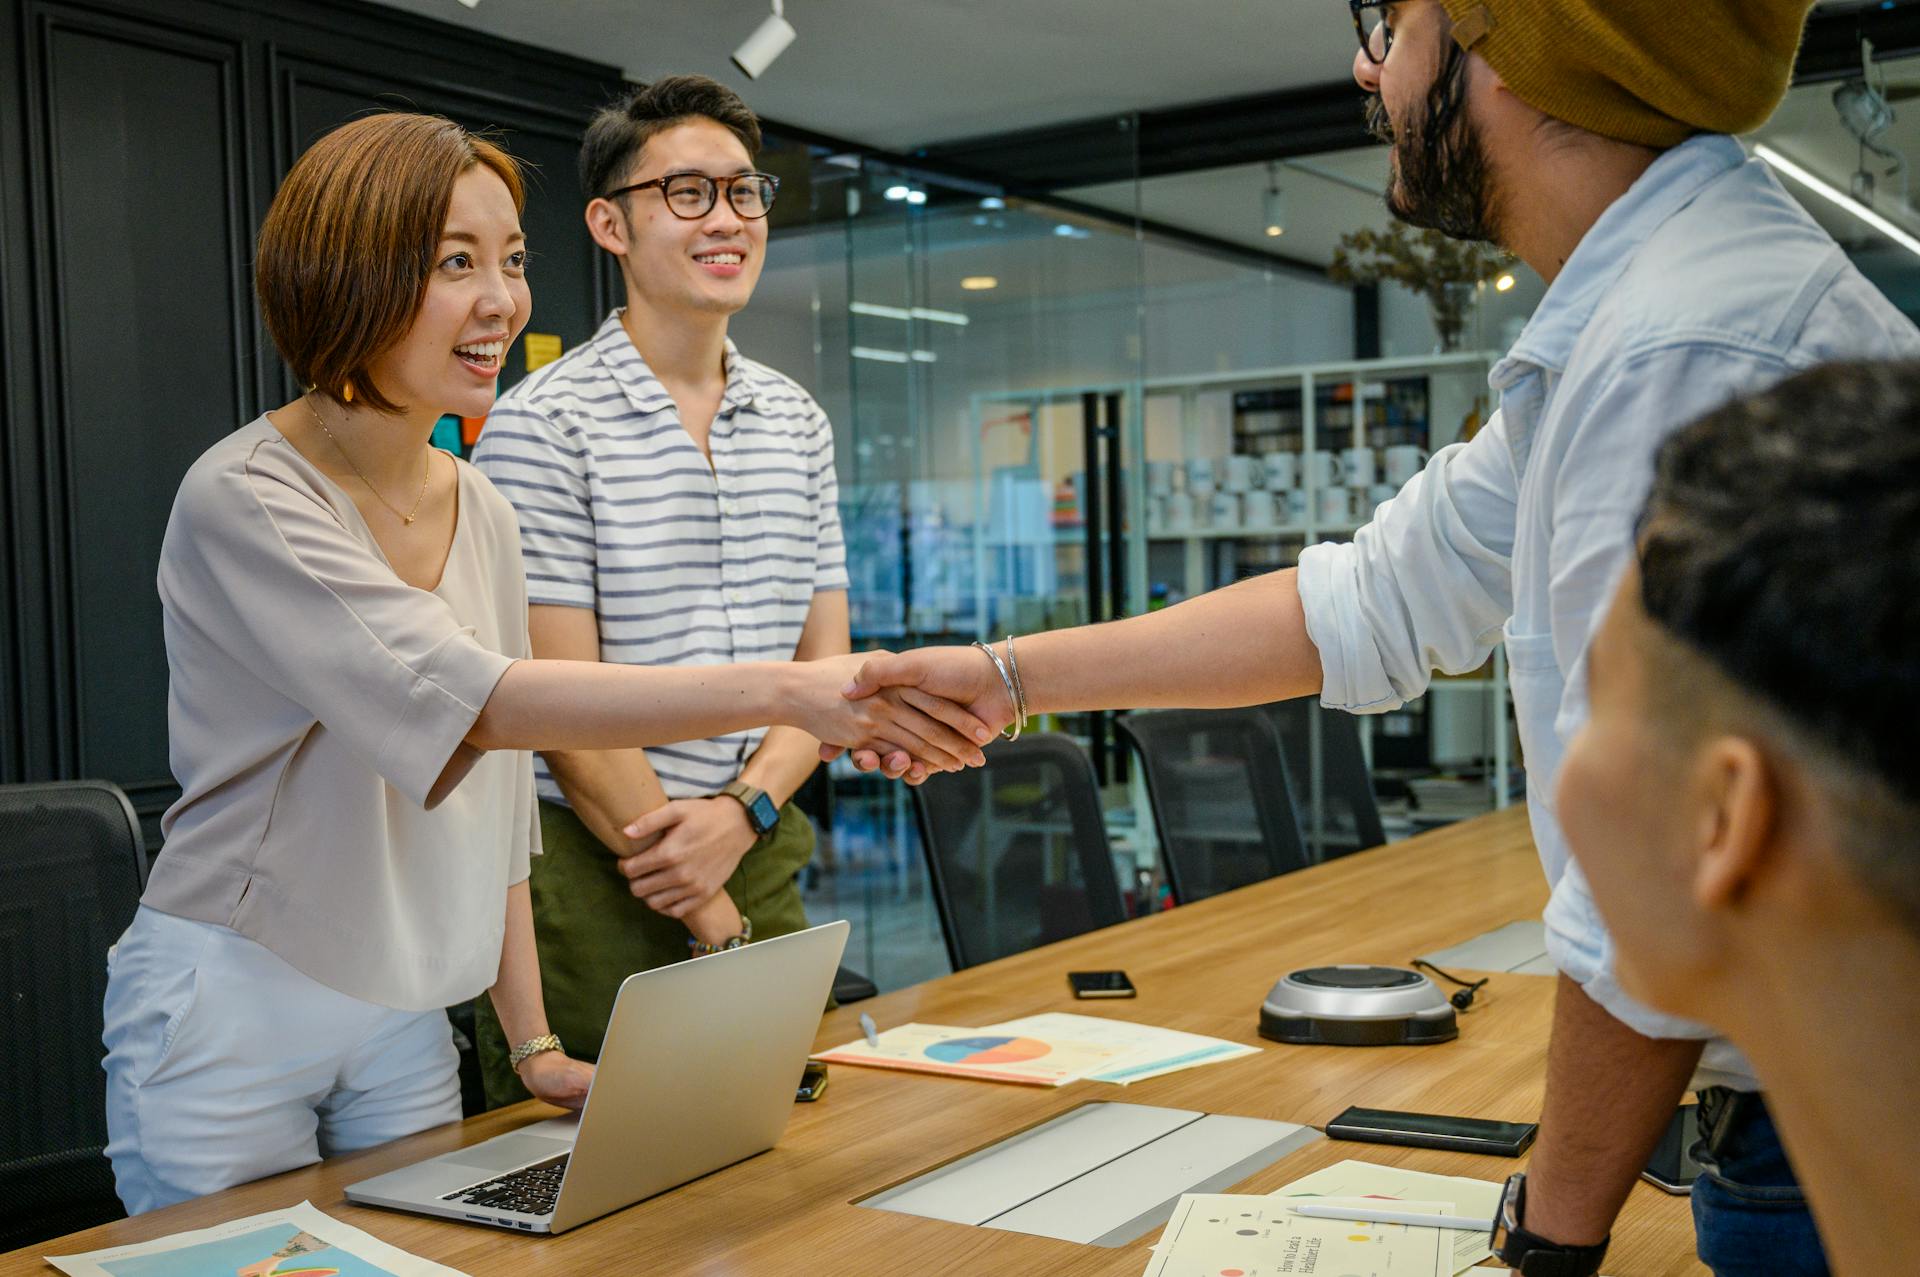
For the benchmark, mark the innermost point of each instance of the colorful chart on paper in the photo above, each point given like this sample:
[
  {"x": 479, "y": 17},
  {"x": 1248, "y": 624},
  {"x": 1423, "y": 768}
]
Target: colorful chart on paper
[
  {"x": 1028, "y": 1058},
  {"x": 988, "y": 1050}
]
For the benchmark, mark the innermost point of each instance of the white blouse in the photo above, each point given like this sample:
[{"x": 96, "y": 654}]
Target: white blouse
[{"x": 314, "y": 698}]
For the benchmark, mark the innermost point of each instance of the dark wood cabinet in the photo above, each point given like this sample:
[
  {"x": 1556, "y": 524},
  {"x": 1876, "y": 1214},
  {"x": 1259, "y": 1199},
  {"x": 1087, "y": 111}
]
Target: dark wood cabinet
[{"x": 140, "y": 144}]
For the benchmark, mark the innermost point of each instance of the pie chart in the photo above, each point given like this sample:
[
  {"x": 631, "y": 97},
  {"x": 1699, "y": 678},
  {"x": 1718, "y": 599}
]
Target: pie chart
[{"x": 988, "y": 1050}]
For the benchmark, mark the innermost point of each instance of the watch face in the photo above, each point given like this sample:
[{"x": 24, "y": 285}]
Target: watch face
[{"x": 765, "y": 814}]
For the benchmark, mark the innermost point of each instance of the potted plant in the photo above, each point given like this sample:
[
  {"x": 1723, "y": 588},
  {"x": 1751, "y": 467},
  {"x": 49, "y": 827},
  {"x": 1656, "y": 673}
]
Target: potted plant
[{"x": 1444, "y": 271}]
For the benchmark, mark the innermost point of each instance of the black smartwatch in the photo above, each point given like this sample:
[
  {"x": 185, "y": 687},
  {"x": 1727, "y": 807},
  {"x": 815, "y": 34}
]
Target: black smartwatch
[
  {"x": 1532, "y": 1256},
  {"x": 762, "y": 815}
]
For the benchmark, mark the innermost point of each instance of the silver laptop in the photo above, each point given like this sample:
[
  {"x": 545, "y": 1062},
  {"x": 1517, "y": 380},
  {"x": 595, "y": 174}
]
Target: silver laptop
[{"x": 699, "y": 1069}]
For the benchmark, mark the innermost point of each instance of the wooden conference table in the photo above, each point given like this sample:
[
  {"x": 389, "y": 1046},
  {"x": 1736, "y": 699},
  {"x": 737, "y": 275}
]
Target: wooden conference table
[{"x": 1203, "y": 967}]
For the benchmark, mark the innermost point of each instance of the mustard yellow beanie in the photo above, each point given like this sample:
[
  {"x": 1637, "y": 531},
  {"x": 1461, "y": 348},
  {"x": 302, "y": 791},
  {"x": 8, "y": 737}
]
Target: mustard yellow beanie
[{"x": 1653, "y": 72}]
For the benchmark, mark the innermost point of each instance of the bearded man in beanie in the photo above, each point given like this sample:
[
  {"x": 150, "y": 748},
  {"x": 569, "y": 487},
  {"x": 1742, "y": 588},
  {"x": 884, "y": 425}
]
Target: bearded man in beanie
[{"x": 1591, "y": 139}]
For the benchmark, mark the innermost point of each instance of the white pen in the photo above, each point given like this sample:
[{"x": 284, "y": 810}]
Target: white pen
[
  {"x": 1366, "y": 1215},
  {"x": 867, "y": 1027}
]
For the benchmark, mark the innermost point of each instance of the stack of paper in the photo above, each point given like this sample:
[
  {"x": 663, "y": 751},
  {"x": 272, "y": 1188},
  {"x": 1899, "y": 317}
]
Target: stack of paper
[
  {"x": 1150, "y": 1051},
  {"x": 1397, "y": 1189},
  {"x": 1041, "y": 1050},
  {"x": 1225, "y": 1233},
  {"x": 977, "y": 1053},
  {"x": 296, "y": 1242}
]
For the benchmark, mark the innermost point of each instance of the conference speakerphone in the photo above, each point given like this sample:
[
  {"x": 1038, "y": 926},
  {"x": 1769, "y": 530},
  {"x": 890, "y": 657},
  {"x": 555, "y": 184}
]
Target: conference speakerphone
[{"x": 1356, "y": 1004}]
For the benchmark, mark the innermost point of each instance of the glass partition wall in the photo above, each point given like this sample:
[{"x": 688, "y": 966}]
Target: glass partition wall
[{"x": 1013, "y": 384}]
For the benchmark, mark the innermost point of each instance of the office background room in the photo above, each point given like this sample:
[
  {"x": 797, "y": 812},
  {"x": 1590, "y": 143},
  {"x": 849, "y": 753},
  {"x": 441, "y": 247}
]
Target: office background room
[{"x": 952, "y": 273}]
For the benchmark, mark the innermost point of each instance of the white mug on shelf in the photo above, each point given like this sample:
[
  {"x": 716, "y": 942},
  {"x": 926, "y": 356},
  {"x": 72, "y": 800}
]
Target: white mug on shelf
[
  {"x": 1322, "y": 468},
  {"x": 1179, "y": 512},
  {"x": 1379, "y": 494},
  {"x": 1243, "y": 473},
  {"x": 1335, "y": 506},
  {"x": 1296, "y": 509},
  {"x": 1403, "y": 462},
  {"x": 1201, "y": 477},
  {"x": 1226, "y": 511},
  {"x": 1258, "y": 507},
  {"x": 1160, "y": 477},
  {"x": 1283, "y": 470},
  {"x": 1359, "y": 465},
  {"x": 1156, "y": 513}
]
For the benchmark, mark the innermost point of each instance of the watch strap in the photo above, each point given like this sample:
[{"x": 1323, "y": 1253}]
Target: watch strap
[
  {"x": 748, "y": 797},
  {"x": 1534, "y": 1256}
]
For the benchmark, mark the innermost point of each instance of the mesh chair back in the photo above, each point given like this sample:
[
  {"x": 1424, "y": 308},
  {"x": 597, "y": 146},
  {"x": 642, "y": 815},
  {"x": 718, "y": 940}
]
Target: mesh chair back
[
  {"x": 73, "y": 864},
  {"x": 1219, "y": 794},
  {"x": 1332, "y": 769},
  {"x": 1017, "y": 850}
]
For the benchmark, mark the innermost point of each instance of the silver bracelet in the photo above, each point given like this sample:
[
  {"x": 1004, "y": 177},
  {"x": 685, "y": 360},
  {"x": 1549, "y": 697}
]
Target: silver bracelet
[
  {"x": 1019, "y": 688},
  {"x": 1012, "y": 731}
]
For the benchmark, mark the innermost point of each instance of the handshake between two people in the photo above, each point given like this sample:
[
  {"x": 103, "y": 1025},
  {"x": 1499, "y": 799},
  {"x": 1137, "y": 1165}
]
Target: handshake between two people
[{"x": 908, "y": 715}]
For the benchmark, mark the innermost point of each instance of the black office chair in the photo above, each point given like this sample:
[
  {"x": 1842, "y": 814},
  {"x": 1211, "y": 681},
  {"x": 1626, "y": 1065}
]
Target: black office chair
[
  {"x": 74, "y": 866},
  {"x": 1017, "y": 850},
  {"x": 1348, "y": 816},
  {"x": 1218, "y": 789}
]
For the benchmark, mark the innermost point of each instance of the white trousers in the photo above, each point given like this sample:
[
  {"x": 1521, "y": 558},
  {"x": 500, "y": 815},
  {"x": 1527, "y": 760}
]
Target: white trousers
[{"x": 225, "y": 1064}]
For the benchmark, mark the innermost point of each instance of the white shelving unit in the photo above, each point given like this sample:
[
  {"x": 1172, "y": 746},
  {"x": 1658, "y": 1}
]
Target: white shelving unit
[{"x": 1456, "y": 394}]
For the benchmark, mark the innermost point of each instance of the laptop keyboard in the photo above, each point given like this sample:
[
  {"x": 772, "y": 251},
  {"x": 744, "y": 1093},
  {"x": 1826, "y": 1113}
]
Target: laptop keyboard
[{"x": 531, "y": 1190}]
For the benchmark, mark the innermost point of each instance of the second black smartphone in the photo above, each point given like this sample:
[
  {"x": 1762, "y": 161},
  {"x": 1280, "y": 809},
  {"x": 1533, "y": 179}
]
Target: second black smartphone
[
  {"x": 1101, "y": 984},
  {"x": 1434, "y": 1130}
]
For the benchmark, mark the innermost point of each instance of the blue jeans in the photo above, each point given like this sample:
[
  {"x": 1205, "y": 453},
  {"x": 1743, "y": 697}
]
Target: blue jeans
[{"x": 1750, "y": 1218}]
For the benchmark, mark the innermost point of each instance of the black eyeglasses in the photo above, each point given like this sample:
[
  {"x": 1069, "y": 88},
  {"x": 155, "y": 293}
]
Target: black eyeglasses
[
  {"x": 693, "y": 195},
  {"x": 1368, "y": 14}
]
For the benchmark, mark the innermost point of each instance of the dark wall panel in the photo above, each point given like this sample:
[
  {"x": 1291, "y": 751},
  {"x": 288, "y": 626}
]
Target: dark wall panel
[
  {"x": 569, "y": 296},
  {"x": 140, "y": 144},
  {"x": 144, "y": 151}
]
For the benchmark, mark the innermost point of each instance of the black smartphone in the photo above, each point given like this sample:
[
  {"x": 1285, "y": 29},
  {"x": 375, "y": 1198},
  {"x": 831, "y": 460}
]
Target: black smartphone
[
  {"x": 1672, "y": 1167},
  {"x": 813, "y": 1082},
  {"x": 1101, "y": 984},
  {"x": 1434, "y": 1130}
]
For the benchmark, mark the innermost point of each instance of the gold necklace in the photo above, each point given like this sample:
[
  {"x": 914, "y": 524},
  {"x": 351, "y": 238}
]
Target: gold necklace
[{"x": 406, "y": 518}]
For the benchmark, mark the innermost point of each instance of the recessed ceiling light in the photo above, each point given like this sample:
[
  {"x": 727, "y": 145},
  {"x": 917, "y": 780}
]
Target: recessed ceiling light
[
  {"x": 898, "y": 192},
  {"x": 916, "y": 197},
  {"x": 979, "y": 283},
  {"x": 993, "y": 202},
  {"x": 1833, "y": 194},
  {"x": 1502, "y": 284}
]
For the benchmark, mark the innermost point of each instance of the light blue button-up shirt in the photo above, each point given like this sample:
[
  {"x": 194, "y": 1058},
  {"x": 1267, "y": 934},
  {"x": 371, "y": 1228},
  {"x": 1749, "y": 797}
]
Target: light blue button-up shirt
[{"x": 1703, "y": 282}]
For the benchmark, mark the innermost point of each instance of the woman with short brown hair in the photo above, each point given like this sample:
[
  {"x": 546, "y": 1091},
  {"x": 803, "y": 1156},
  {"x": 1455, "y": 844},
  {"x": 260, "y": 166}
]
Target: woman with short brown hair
[{"x": 350, "y": 702}]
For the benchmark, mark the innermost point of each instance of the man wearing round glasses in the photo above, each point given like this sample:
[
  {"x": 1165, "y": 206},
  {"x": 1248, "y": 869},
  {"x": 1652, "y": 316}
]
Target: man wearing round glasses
[
  {"x": 677, "y": 506},
  {"x": 1592, "y": 139}
]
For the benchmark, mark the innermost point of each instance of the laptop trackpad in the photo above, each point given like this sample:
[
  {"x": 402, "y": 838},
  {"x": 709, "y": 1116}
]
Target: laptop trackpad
[{"x": 507, "y": 1152}]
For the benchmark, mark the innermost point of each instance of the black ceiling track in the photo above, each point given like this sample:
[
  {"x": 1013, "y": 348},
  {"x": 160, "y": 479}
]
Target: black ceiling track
[
  {"x": 1181, "y": 139},
  {"x": 1309, "y": 121}
]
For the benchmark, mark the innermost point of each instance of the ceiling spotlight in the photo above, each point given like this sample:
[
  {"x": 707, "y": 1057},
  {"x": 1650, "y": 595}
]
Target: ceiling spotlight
[
  {"x": 993, "y": 203},
  {"x": 1274, "y": 206},
  {"x": 898, "y": 192},
  {"x": 916, "y": 197},
  {"x": 1502, "y": 284},
  {"x": 979, "y": 283},
  {"x": 768, "y": 41}
]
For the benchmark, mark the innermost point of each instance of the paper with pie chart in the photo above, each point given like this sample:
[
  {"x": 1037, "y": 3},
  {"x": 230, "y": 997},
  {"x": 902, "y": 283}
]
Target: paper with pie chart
[
  {"x": 1030, "y": 1059},
  {"x": 1228, "y": 1235}
]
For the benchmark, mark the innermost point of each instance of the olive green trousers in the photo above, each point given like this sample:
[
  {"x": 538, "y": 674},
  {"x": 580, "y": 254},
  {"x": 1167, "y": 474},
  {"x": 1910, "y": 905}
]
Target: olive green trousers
[{"x": 592, "y": 933}]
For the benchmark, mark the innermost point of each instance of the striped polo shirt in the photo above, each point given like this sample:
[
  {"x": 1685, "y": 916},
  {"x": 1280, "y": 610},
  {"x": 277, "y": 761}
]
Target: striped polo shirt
[{"x": 684, "y": 564}]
